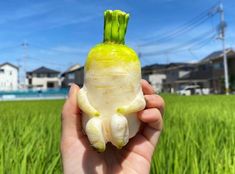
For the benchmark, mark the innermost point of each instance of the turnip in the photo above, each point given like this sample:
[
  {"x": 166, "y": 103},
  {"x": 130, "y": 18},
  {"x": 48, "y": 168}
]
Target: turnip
[{"x": 111, "y": 95}]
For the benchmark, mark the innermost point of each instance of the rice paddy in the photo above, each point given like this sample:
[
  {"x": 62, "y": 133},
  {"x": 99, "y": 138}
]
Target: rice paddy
[{"x": 198, "y": 136}]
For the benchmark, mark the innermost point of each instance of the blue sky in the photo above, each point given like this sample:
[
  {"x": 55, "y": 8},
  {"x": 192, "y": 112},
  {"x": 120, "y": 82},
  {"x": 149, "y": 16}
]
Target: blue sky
[{"x": 61, "y": 32}]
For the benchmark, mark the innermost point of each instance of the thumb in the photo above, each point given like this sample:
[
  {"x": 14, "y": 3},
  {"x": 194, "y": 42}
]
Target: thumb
[{"x": 70, "y": 118}]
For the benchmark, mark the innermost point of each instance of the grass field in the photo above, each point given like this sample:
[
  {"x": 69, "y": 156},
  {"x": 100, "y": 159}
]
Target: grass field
[{"x": 198, "y": 136}]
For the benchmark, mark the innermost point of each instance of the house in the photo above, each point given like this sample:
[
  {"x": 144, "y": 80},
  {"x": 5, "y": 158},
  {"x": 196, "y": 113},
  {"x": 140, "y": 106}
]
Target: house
[
  {"x": 209, "y": 72},
  {"x": 74, "y": 74},
  {"x": 8, "y": 77},
  {"x": 155, "y": 74},
  {"x": 175, "y": 71},
  {"x": 200, "y": 75},
  {"x": 163, "y": 76},
  {"x": 215, "y": 59},
  {"x": 43, "y": 78}
]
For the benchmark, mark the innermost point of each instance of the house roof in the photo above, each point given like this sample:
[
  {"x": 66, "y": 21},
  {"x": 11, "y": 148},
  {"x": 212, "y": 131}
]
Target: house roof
[
  {"x": 157, "y": 66},
  {"x": 154, "y": 66},
  {"x": 197, "y": 75},
  {"x": 45, "y": 70},
  {"x": 217, "y": 54},
  {"x": 7, "y": 63},
  {"x": 72, "y": 69},
  {"x": 170, "y": 66}
]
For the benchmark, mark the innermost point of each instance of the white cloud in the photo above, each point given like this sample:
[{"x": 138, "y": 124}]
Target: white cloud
[
  {"x": 25, "y": 12},
  {"x": 71, "y": 49},
  {"x": 57, "y": 15},
  {"x": 65, "y": 20}
]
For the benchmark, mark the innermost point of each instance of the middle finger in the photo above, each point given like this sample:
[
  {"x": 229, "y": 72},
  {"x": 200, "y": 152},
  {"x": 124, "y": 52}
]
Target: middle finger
[{"x": 155, "y": 101}]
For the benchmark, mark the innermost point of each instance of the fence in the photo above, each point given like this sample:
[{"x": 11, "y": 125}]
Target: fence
[{"x": 58, "y": 93}]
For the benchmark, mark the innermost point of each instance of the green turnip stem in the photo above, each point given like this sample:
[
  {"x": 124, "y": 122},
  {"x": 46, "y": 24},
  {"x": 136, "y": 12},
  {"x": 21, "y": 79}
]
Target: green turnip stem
[{"x": 115, "y": 25}]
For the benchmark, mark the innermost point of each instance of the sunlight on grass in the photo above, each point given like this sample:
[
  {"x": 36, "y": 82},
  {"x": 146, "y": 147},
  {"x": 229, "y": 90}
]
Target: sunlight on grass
[{"x": 198, "y": 136}]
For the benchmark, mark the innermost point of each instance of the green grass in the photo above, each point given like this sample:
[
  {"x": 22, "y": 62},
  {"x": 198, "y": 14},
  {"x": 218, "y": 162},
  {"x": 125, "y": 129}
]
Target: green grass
[
  {"x": 198, "y": 136},
  {"x": 29, "y": 137}
]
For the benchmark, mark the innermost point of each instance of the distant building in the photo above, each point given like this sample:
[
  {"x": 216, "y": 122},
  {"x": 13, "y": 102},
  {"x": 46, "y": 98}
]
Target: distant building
[
  {"x": 200, "y": 75},
  {"x": 74, "y": 74},
  {"x": 216, "y": 62},
  {"x": 155, "y": 74},
  {"x": 43, "y": 78},
  {"x": 175, "y": 71},
  {"x": 208, "y": 74},
  {"x": 163, "y": 76},
  {"x": 8, "y": 77}
]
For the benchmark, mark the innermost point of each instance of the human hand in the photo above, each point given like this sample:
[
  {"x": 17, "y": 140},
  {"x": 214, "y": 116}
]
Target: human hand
[{"x": 79, "y": 157}]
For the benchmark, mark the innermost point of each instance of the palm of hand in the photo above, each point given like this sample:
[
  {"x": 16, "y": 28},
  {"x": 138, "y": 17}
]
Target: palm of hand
[
  {"x": 79, "y": 157},
  {"x": 134, "y": 158}
]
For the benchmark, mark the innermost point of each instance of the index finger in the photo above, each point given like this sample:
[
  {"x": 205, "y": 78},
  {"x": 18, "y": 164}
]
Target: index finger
[{"x": 147, "y": 88}]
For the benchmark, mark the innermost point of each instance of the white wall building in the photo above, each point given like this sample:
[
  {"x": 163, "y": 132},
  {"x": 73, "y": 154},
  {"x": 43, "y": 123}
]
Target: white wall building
[
  {"x": 8, "y": 77},
  {"x": 43, "y": 78},
  {"x": 156, "y": 81}
]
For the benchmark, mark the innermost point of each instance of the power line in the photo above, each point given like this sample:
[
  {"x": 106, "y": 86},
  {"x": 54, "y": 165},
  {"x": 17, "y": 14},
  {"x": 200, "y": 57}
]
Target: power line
[
  {"x": 54, "y": 50},
  {"x": 204, "y": 42},
  {"x": 188, "y": 26},
  {"x": 194, "y": 47},
  {"x": 191, "y": 52},
  {"x": 175, "y": 34},
  {"x": 189, "y": 43},
  {"x": 23, "y": 61},
  {"x": 46, "y": 62},
  {"x": 195, "y": 43}
]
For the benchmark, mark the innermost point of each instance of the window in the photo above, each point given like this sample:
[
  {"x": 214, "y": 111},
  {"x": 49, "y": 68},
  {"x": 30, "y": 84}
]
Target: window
[
  {"x": 30, "y": 81},
  {"x": 71, "y": 76},
  {"x": 204, "y": 68},
  {"x": 1, "y": 71},
  {"x": 218, "y": 65},
  {"x": 51, "y": 75},
  {"x": 41, "y": 75}
]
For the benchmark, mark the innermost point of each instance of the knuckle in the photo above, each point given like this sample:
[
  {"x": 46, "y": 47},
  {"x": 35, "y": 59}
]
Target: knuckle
[
  {"x": 156, "y": 112},
  {"x": 158, "y": 121},
  {"x": 161, "y": 101},
  {"x": 155, "y": 101},
  {"x": 160, "y": 104}
]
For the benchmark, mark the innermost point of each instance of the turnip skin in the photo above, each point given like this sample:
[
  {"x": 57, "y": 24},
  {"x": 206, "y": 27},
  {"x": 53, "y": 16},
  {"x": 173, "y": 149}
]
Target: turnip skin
[{"x": 111, "y": 95}]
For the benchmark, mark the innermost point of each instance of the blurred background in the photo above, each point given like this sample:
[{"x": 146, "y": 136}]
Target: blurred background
[
  {"x": 185, "y": 47},
  {"x": 181, "y": 44}
]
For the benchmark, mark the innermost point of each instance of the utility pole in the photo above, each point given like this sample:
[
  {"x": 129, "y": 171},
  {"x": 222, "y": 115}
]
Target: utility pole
[
  {"x": 25, "y": 48},
  {"x": 167, "y": 58},
  {"x": 19, "y": 65},
  {"x": 222, "y": 38},
  {"x": 140, "y": 55}
]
